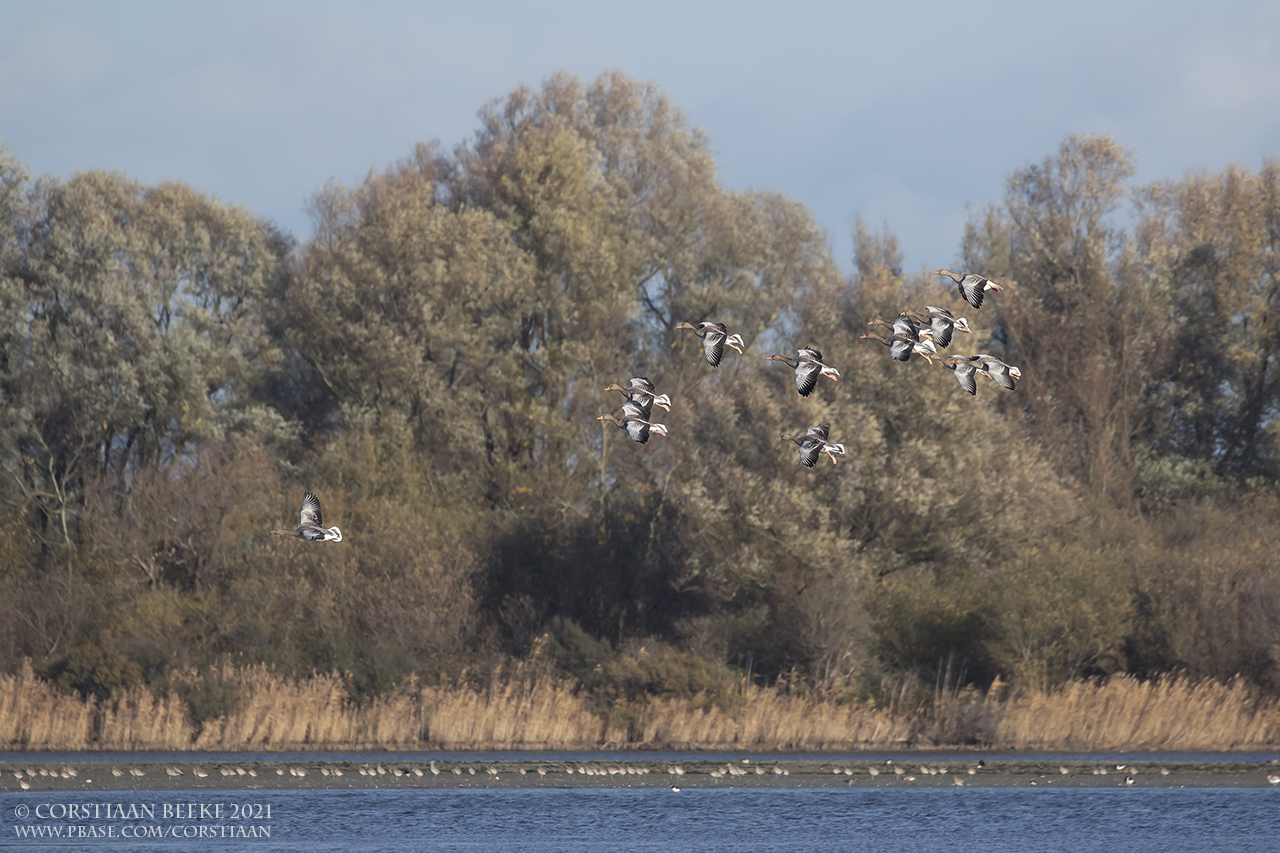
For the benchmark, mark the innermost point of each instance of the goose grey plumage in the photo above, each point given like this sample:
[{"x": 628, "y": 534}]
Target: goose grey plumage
[
  {"x": 715, "y": 337},
  {"x": 902, "y": 346},
  {"x": 1004, "y": 375},
  {"x": 941, "y": 323},
  {"x": 813, "y": 443},
  {"x": 965, "y": 371},
  {"x": 642, "y": 391},
  {"x": 904, "y": 324},
  {"x": 808, "y": 367},
  {"x": 637, "y": 409},
  {"x": 638, "y": 428},
  {"x": 311, "y": 527},
  {"x": 972, "y": 286}
]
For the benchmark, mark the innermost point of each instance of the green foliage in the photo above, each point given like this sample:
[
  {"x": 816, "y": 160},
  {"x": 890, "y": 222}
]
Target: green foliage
[
  {"x": 211, "y": 697},
  {"x": 1061, "y": 615},
  {"x": 96, "y": 669},
  {"x": 637, "y": 671}
]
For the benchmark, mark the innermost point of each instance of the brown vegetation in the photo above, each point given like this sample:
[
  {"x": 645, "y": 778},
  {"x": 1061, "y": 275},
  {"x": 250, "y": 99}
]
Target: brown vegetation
[{"x": 276, "y": 713}]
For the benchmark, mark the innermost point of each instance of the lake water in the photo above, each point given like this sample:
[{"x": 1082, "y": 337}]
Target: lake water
[{"x": 697, "y": 819}]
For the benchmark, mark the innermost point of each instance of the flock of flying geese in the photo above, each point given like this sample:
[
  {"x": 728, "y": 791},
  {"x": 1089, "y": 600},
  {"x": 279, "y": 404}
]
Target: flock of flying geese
[{"x": 913, "y": 333}]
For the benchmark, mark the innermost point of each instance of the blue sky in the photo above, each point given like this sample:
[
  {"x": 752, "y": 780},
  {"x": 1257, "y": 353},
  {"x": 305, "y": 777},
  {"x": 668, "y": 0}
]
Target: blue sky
[{"x": 901, "y": 113}]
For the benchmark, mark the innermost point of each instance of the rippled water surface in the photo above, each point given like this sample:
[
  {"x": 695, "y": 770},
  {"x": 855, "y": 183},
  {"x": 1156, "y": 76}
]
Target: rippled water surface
[{"x": 610, "y": 819}]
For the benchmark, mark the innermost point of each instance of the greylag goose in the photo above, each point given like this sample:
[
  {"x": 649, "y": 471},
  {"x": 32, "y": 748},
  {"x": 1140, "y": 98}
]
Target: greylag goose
[
  {"x": 642, "y": 391},
  {"x": 814, "y": 442},
  {"x": 972, "y": 286},
  {"x": 808, "y": 367},
  {"x": 966, "y": 372},
  {"x": 1004, "y": 375},
  {"x": 637, "y": 409},
  {"x": 638, "y": 428},
  {"x": 904, "y": 324},
  {"x": 310, "y": 528},
  {"x": 941, "y": 323},
  {"x": 715, "y": 337},
  {"x": 902, "y": 346}
]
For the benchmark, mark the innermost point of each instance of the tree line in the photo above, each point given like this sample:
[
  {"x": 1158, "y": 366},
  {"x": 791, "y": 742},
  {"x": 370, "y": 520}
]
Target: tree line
[{"x": 175, "y": 373}]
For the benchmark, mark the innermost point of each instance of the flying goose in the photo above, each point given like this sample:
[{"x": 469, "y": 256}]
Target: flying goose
[
  {"x": 902, "y": 346},
  {"x": 636, "y": 410},
  {"x": 715, "y": 337},
  {"x": 642, "y": 391},
  {"x": 941, "y": 323},
  {"x": 638, "y": 428},
  {"x": 814, "y": 442},
  {"x": 1002, "y": 374},
  {"x": 972, "y": 286},
  {"x": 808, "y": 367},
  {"x": 965, "y": 370},
  {"x": 310, "y": 528},
  {"x": 905, "y": 324}
]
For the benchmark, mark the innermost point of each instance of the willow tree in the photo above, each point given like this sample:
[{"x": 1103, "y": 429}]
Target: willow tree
[
  {"x": 1217, "y": 239},
  {"x": 1085, "y": 322},
  {"x": 133, "y": 338},
  {"x": 141, "y": 333}
]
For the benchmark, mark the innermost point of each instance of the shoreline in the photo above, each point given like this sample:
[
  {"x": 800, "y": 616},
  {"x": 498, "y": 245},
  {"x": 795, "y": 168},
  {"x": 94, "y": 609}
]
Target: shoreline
[{"x": 695, "y": 773}]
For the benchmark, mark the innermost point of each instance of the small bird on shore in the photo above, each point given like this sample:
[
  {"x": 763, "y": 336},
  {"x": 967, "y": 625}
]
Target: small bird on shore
[{"x": 310, "y": 527}]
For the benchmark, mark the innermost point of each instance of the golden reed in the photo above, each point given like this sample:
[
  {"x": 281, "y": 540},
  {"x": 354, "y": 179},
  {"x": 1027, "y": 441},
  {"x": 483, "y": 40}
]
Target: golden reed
[{"x": 277, "y": 713}]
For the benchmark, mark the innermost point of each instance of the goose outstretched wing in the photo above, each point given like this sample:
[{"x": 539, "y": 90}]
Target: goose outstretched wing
[{"x": 310, "y": 510}]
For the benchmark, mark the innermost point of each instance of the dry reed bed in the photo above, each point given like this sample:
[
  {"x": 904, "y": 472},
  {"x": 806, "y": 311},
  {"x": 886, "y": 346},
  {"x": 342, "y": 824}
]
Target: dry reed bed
[
  {"x": 1125, "y": 713},
  {"x": 277, "y": 713}
]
